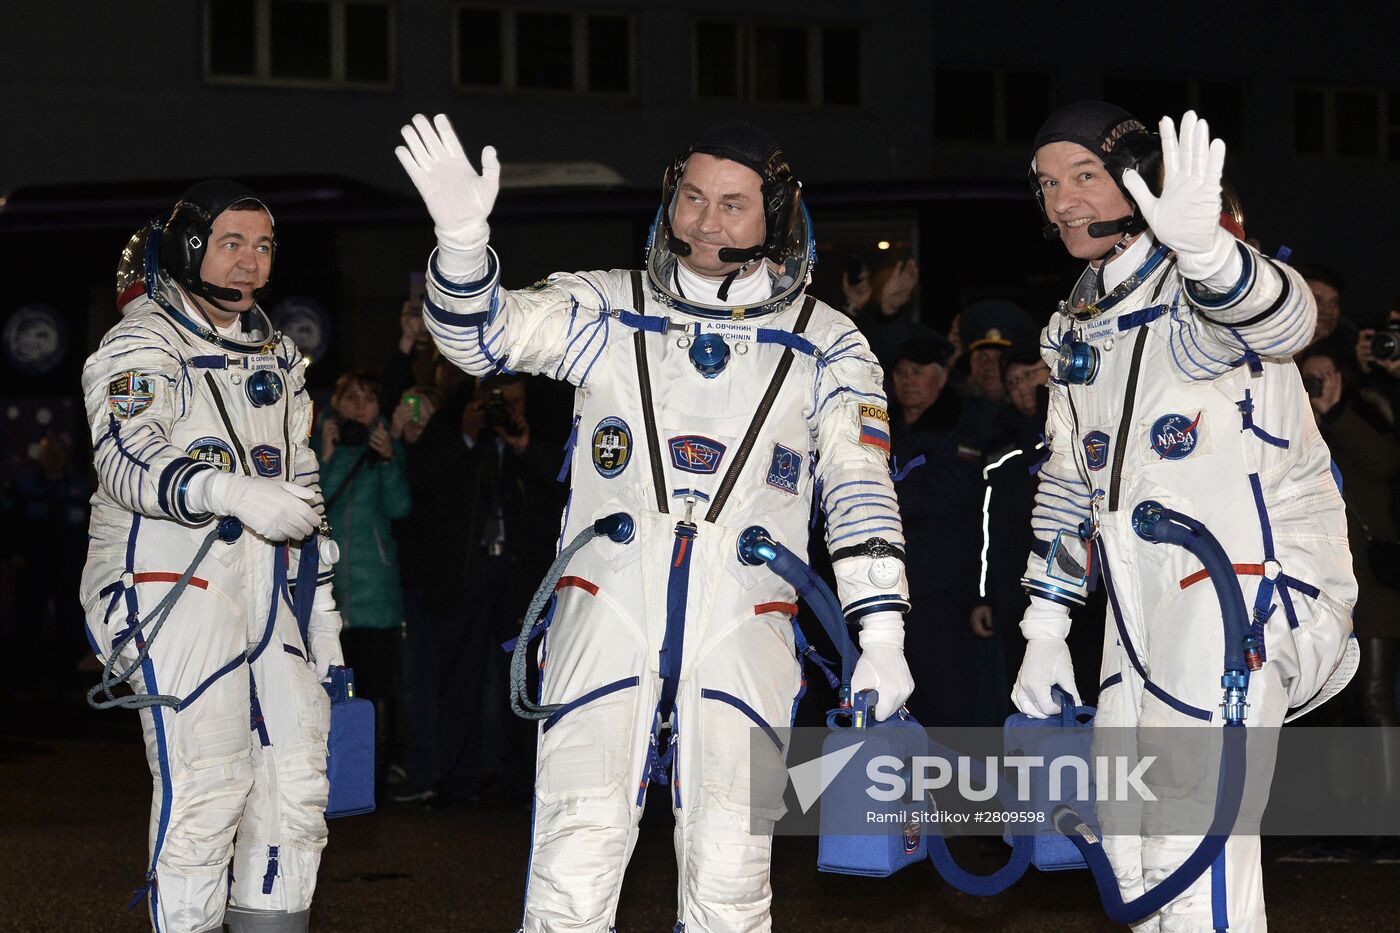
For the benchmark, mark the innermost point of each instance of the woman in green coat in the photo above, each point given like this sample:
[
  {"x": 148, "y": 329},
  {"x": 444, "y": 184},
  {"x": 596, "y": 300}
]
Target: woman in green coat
[{"x": 364, "y": 482}]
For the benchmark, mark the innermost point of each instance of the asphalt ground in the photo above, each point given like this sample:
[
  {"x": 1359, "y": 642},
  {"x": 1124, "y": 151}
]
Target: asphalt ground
[{"x": 74, "y": 794}]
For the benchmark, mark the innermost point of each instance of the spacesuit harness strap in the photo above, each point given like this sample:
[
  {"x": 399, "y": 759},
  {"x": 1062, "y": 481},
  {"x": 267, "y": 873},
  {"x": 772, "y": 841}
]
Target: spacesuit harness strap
[
  {"x": 639, "y": 345},
  {"x": 736, "y": 466},
  {"x": 791, "y": 342}
]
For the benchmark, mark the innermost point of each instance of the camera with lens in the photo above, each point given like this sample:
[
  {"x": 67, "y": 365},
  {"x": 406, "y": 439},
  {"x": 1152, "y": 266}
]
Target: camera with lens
[
  {"x": 355, "y": 434},
  {"x": 1385, "y": 343},
  {"x": 352, "y": 433},
  {"x": 1313, "y": 385},
  {"x": 497, "y": 413}
]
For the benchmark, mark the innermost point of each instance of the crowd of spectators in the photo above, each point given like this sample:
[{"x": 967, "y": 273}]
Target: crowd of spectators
[{"x": 446, "y": 513}]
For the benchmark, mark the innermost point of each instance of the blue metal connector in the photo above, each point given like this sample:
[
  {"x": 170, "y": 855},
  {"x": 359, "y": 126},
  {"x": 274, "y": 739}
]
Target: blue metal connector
[
  {"x": 1235, "y": 705},
  {"x": 756, "y": 546},
  {"x": 709, "y": 354},
  {"x": 1145, "y": 518},
  {"x": 619, "y": 527},
  {"x": 229, "y": 529},
  {"x": 264, "y": 387},
  {"x": 1078, "y": 363}
]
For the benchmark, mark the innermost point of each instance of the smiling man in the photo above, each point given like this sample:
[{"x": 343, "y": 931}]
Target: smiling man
[
  {"x": 199, "y": 412},
  {"x": 714, "y": 394},
  {"x": 1173, "y": 381}
]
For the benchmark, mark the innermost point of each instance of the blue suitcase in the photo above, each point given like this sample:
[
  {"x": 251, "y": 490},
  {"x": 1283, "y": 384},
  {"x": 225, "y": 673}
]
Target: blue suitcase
[
  {"x": 1069, "y": 734},
  {"x": 349, "y": 748},
  {"x": 901, "y": 842}
]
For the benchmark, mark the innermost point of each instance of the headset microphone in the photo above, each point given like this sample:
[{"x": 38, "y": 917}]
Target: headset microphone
[
  {"x": 1106, "y": 228},
  {"x": 217, "y": 293}
]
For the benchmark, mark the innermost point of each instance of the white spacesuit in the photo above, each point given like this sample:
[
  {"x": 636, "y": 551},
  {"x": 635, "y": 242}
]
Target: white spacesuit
[
  {"x": 698, "y": 416},
  {"x": 1173, "y": 381},
  {"x": 191, "y": 421}
]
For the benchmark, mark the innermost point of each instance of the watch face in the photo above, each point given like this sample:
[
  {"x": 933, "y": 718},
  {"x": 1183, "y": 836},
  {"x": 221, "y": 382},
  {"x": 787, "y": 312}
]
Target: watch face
[{"x": 884, "y": 571}]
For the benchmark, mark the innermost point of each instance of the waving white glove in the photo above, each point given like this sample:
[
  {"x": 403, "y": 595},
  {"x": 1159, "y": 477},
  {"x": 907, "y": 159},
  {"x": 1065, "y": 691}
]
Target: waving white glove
[
  {"x": 1047, "y": 662},
  {"x": 277, "y": 510},
  {"x": 882, "y": 665},
  {"x": 323, "y": 634},
  {"x": 458, "y": 198},
  {"x": 1187, "y": 215}
]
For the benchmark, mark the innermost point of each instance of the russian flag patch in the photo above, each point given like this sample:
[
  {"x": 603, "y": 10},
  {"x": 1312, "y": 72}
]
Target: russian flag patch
[{"x": 875, "y": 427}]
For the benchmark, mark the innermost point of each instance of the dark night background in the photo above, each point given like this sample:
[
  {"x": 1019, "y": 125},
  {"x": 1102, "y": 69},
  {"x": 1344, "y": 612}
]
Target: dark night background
[{"x": 909, "y": 124}]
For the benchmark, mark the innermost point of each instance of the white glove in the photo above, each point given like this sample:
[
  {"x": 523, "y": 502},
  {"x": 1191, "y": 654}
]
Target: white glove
[
  {"x": 323, "y": 634},
  {"x": 1047, "y": 660},
  {"x": 277, "y": 510},
  {"x": 1187, "y": 215},
  {"x": 458, "y": 198},
  {"x": 882, "y": 665}
]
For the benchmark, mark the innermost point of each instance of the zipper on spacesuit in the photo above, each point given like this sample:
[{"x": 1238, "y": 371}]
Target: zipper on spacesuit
[
  {"x": 736, "y": 466},
  {"x": 228, "y": 424},
  {"x": 1125, "y": 426}
]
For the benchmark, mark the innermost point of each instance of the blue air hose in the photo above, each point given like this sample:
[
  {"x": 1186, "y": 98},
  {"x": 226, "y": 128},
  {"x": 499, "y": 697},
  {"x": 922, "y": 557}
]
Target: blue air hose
[
  {"x": 1154, "y": 522},
  {"x": 756, "y": 546}
]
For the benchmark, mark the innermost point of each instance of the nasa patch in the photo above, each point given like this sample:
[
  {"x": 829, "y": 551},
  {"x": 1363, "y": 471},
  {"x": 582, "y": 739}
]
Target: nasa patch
[
  {"x": 695, "y": 454},
  {"x": 267, "y": 460},
  {"x": 1095, "y": 450},
  {"x": 213, "y": 450},
  {"x": 130, "y": 394},
  {"x": 1175, "y": 437},
  {"x": 612, "y": 447},
  {"x": 785, "y": 469}
]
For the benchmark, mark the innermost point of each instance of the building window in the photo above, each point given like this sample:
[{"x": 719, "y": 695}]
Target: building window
[
  {"x": 340, "y": 43},
  {"x": 1357, "y": 123},
  {"x": 1219, "y": 101},
  {"x": 565, "y": 52},
  {"x": 770, "y": 64},
  {"x": 989, "y": 105}
]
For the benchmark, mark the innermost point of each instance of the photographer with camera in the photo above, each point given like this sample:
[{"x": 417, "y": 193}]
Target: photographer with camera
[
  {"x": 1359, "y": 429},
  {"x": 882, "y": 305},
  {"x": 485, "y": 480},
  {"x": 1378, "y": 357},
  {"x": 363, "y": 476}
]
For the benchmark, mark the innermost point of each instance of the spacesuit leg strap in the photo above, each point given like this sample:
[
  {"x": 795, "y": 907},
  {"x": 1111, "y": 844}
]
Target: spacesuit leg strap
[{"x": 639, "y": 345}]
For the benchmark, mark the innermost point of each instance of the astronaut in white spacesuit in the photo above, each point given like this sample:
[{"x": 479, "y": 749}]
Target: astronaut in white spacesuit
[
  {"x": 199, "y": 412},
  {"x": 713, "y": 394},
  {"x": 1173, "y": 381}
]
